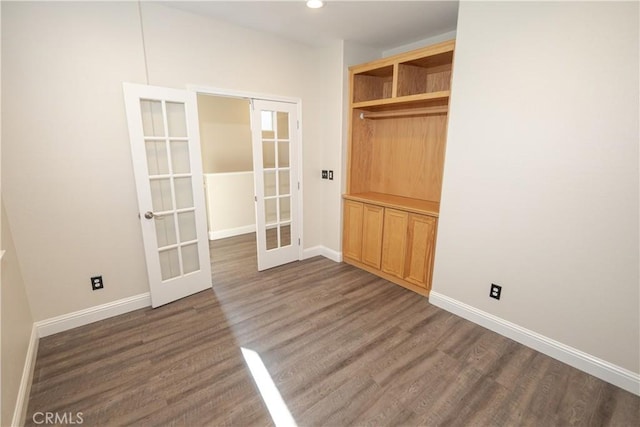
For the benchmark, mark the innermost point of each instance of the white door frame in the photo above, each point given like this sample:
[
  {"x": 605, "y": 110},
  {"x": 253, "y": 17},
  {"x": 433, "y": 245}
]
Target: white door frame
[{"x": 205, "y": 90}]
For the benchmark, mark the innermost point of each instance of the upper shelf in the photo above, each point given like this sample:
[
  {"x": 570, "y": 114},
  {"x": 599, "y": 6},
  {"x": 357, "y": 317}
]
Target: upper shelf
[{"x": 404, "y": 80}]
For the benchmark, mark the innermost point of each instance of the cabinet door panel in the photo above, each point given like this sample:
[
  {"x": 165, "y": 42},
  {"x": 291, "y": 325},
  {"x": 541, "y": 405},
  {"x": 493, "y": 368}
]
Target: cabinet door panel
[
  {"x": 352, "y": 233},
  {"x": 420, "y": 244},
  {"x": 372, "y": 235},
  {"x": 394, "y": 242}
]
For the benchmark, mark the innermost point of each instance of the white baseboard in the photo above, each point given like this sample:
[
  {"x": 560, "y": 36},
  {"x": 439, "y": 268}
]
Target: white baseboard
[
  {"x": 602, "y": 369},
  {"x": 93, "y": 314},
  {"x": 322, "y": 251},
  {"x": 230, "y": 232},
  {"x": 20, "y": 410}
]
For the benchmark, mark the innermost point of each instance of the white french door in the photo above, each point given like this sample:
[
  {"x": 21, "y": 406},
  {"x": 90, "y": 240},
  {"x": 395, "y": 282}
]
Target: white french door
[
  {"x": 165, "y": 147},
  {"x": 275, "y": 165}
]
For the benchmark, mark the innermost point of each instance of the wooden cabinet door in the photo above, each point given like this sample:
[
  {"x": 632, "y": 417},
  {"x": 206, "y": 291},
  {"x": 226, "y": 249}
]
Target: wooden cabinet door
[
  {"x": 394, "y": 242},
  {"x": 420, "y": 244},
  {"x": 352, "y": 232},
  {"x": 372, "y": 235}
]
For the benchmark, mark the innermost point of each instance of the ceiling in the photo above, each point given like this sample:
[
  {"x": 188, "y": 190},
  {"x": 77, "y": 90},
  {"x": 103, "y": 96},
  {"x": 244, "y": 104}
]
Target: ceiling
[{"x": 378, "y": 24}]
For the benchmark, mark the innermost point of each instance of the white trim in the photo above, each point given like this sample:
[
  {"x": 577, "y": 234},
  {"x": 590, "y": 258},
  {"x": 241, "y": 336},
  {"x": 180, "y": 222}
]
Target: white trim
[
  {"x": 206, "y": 90},
  {"x": 322, "y": 251},
  {"x": 20, "y": 410},
  {"x": 230, "y": 232},
  {"x": 602, "y": 369},
  {"x": 93, "y": 314},
  {"x": 300, "y": 168}
]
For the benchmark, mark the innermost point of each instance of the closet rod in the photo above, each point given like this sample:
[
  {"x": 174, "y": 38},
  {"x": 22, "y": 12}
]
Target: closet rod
[{"x": 405, "y": 113}]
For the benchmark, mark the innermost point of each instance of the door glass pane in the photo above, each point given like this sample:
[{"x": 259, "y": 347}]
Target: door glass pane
[
  {"x": 269, "y": 183},
  {"x": 285, "y": 209},
  {"x": 169, "y": 264},
  {"x": 187, "y": 224},
  {"x": 152, "y": 121},
  {"x": 180, "y": 157},
  {"x": 272, "y": 238},
  {"x": 165, "y": 230},
  {"x": 157, "y": 161},
  {"x": 267, "y": 125},
  {"x": 184, "y": 193},
  {"x": 190, "y": 261},
  {"x": 285, "y": 235},
  {"x": 176, "y": 119},
  {"x": 161, "y": 195},
  {"x": 283, "y": 125},
  {"x": 283, "y": 154},
  {"x": 283, "y": 183},
  {"x": 269, "y": 154},
  {"x": 270, "y": 206}
]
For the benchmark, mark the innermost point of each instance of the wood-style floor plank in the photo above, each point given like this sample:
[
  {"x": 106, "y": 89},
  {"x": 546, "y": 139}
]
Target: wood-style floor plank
[{"x": 342, "y": 346}]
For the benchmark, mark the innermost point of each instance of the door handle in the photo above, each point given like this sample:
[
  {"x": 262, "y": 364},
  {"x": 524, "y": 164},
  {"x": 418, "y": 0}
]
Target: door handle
[{"x": 151, "y": 215}]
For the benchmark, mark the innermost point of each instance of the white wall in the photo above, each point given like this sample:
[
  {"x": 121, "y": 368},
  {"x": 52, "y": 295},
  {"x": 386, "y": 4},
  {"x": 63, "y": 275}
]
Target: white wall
[
  {"x": 420, "y": 43},
  {"x": 66, "y": 163},
  {"x": 230, "y": 204},
  {"x": 225, "y": 134},
  {"x": 332, "y": 143},
  {"x": 16, "y": 320},
  {"x": 16, "y": 325},
  {"x": 67, "y": 174},
  {"x": 541, "y": 175}
]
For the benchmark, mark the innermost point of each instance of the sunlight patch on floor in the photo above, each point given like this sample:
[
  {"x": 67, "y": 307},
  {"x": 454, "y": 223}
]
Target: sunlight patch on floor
[{"x": 275, "y": 404}]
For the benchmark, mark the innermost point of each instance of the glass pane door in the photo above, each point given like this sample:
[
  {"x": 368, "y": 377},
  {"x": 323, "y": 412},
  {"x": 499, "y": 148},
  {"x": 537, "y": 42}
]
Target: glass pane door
[
  {"x": 167, "y": 165},
  {"x": 275, "y": 171},
  {"x": 277, "y": 178},
  {"x": 171, "y": 182}
]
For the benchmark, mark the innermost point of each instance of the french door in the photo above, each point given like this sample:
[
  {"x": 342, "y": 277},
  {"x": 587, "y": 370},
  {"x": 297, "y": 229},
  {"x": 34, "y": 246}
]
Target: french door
[
  {"x": 165, "y": 147},
  {"x": 275, "y": 165}
]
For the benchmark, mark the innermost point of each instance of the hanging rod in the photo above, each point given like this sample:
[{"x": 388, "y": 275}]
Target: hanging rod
[{"x": 405, "y": 113}]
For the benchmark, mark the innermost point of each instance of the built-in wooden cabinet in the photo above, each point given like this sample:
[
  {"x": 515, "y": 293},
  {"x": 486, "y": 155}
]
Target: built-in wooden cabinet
[
  {"x": 372, "y": 220},
  {"x": 394, "y": 242},
  {"x": 421, "y": 237},
  {"x": 398, "y": 125},
  {"x": 352, "y": 235}
]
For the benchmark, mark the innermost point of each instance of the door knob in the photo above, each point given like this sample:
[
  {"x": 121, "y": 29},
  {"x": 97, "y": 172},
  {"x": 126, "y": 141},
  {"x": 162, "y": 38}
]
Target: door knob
[{"x": 149, "y": 215}]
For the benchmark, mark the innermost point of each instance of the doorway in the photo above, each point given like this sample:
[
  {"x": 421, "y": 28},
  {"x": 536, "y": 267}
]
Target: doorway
[
  {"x": 227, "y": 163},
  {"x": 251, "y": 155}
]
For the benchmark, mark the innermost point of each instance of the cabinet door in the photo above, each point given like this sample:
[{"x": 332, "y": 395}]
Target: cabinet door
[
  {"x": 352, "y": 233},
  {"x": 394, "y": 242},
  {"x": 372, "y": 235},
  {"x": 420, "y": 243}
]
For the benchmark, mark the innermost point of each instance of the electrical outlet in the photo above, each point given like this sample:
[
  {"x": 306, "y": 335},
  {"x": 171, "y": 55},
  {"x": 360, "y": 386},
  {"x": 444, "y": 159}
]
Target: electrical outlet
[
  {"x": 96, "y": 283},
  {"x": 325, "y": 174},
  {"x": 331, "y": 175},
  {"x": 495, "y": 291}
]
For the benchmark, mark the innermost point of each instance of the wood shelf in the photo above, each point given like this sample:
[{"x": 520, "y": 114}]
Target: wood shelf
[
  {"x": 423, "y": 207},
  {"x": 440, "y": 98}
]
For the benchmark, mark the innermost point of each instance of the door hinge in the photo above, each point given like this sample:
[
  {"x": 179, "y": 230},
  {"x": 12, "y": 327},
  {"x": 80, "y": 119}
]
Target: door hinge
[
  {"x": 298, "y": 241},
  {"x": 298, "y": 123},
  {"x": 255, "y": 198},
  {"x": 298, "y": 185}
]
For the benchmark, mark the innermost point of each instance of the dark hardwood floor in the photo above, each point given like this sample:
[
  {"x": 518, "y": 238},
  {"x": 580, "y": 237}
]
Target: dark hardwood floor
[{"x": 342, "y": 346}]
